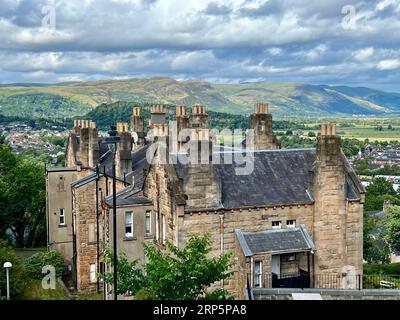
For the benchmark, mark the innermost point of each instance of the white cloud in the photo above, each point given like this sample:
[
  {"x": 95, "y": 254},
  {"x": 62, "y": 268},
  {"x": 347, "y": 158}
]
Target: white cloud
[
  {"x": 364, "y": 54},
  {"x": 391, "y": 64}
]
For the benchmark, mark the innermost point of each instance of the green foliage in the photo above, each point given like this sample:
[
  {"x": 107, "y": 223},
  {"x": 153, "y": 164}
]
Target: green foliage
[
  {"x": 311, "y": 134},
  {"x": 173, "y": 273},
  {"x": 34, "y": 264},
  {"x": 375, "y": 248},
  {"x": 130, "y": 278},
  {"x": 351, "y": 147},
  {"x": 41, "y": 105},
  {"x": 17, "y": 275},
  {"x": 146, "y": 294},
  {"x": 23, "y": 215},
  {"x": 389, "y": 269},
  {"x": 391, "y": 224},
  {"x": 218, "y": 294},
  {"x": 289, "y": 142},
  {"x": 377, "y": 192}
]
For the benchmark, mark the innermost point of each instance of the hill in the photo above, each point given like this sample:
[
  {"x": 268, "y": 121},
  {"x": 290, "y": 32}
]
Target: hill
[{"x": 286, "y": 99}]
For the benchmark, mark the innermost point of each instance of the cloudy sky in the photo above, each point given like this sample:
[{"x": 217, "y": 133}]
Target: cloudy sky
[{"x": 346, "y": 42}]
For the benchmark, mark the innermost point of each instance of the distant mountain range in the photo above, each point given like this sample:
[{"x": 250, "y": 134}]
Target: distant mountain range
[{"x": 286, "y": 99}]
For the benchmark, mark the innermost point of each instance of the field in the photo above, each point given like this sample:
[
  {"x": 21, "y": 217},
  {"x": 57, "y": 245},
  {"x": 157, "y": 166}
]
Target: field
[{"x": 372, "y": 128}]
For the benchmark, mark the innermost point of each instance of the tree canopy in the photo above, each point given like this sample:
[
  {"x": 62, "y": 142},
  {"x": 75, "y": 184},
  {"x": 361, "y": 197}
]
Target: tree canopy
[
  {"x": 173, "y": 273},
  {"x": 22, "y": 199}
]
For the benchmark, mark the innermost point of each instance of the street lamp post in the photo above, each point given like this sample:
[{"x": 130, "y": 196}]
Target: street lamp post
[
  {"x": 7, "y": 266},
  {"x": 112, "y": 141}
]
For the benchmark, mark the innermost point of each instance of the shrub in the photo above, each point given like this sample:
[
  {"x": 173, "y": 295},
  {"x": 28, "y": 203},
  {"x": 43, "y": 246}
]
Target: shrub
[
  {"x": 17, "y": 276},
  {"x": 35, "y": 263},
  {"x": 388, "y": 269},
  {"x": 146, "y": 294}
]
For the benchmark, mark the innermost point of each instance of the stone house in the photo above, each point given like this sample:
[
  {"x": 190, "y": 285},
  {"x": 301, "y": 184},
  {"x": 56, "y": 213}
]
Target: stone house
[{"x": 298, "y": 212}]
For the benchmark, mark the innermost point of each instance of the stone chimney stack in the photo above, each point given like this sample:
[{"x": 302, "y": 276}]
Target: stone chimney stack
[
  {"x": 181, "y": 123},
  {"x": 123, "y": 155},
  {"x": 199, "y": 117},
  {"x": 159, "y": 135},
  {"x": 201, "y": 185},
  {"x": 329, "y": 192},
  {"x": 89, "y": 149},
  {"x": 137, "y": 125},
  {"x": 158, "y": 114},
  {"x": 261, "y": 123}
]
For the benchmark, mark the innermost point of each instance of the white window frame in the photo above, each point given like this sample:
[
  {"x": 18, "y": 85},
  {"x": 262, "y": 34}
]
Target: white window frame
[
  {"x": 148, "y": 221},
  {"x": 92, "y": 273},
  {"x": 278, "y": 226},
  {"x": 293, "y": 225},
  {"x": 259, "y": 275},
  {"x": 129, "y": 234},
  {"x": 61, "y": 215}
]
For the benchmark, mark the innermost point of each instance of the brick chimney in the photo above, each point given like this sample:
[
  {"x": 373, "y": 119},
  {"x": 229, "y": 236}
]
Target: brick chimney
[
  {"x": 137, "y": 125},
  {"x": 89, "y": 150},
  {"x": 329, "y": 192},
  {"x": 123, "y": 156},
  {"x": 199, "y": 117},
  {"x": 261, "y": 123}
]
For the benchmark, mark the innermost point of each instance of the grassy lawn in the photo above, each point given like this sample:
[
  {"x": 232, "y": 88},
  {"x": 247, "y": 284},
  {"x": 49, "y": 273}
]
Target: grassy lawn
[{"x": 34, "y": 291}]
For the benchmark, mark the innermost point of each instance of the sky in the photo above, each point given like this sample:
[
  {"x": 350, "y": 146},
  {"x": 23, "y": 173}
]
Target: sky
[{"x": 334, "y": 42}]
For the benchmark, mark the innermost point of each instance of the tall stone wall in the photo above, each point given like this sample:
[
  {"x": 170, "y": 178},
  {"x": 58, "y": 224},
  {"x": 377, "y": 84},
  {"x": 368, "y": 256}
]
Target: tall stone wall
[
  {"x": 58, "y": 189},
  {"x": 84, "y": 208},
  {"x": 158, "y": 189},
  {"x": 337, "y": 222}
]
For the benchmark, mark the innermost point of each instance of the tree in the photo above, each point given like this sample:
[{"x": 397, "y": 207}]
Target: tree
[
  {"x": 17, "y": 275},
  {"x": 173, "y": 273},
  {"x": 391, "y": 224},
  {"x": 311, "y": 134},
  {"x": 377, "y": 192},
  {"x": 22, "y": 198},
  {"x": 375, "y": 248}
]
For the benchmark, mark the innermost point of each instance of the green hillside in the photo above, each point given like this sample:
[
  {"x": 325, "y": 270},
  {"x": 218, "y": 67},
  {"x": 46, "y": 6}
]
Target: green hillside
[{"x": 286, "y": 99}]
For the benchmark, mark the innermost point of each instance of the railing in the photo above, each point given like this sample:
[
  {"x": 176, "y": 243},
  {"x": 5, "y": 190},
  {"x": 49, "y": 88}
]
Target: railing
[{"x": 330, "y": 281}]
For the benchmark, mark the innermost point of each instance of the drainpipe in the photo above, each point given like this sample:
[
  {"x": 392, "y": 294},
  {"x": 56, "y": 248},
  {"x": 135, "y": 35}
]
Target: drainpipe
[
  {"x": 47, "y": 209},
  {"x": 97, "y": 228},
  {"x": 221, "y": 235},
  {"x": 74, "y": 252}
]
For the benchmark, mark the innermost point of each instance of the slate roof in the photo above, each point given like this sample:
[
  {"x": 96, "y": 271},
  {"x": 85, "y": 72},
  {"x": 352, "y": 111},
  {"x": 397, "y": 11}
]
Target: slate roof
[
  {"x": 140, "y": 166},
  {"x": 280, "y": 177},
  {"x": 128, "y": 196},
  {"x": 275, "y": 241},
  {"x": 85, "y": 180}
]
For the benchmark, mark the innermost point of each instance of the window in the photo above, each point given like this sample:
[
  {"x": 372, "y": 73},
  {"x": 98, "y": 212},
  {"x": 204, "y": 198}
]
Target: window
[
  {"x": 291, "y": 223},
  {"x": 276, "y": 224},
  {"x": 257, "y": 274},
  {"x": 129, "y": 224},
  {"x": 148, "y": 222},
  {"x": 62, "y": 217},
  {"x": 92, "y": 273}
]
